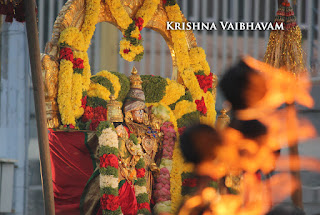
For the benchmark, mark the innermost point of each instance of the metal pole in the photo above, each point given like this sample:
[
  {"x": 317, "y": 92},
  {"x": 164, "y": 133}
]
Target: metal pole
[{"x": 39, "y": 100}]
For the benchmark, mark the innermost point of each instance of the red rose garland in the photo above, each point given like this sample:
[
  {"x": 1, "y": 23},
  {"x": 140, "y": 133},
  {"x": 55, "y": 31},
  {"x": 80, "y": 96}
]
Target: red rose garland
[
  {"x": 66, "y": 53},
  {"x": 205, "y": 81},
  {"x": 201, "y": 106}
]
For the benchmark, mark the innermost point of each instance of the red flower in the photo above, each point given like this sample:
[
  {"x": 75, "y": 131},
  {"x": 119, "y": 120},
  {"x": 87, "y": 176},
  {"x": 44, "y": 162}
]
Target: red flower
[
  {"x": 141, "y": 172},
  {"x": 113, "y": 161},
  {"x": 78, "y": 63},
  {"x": 88, "y": 114},
  {"x": 104, "y": 161},
  {"x": 164, "y": 1},
  {"x": 109, "y": 160},
  {"x": 72, "y": 126},
  {"x": 205, "y": 81},
  {"x": 139, "y": 22},
  {"x": 139, "y": 38},
  {"x": 189, "y": 182},
  {"x": 201, "y": 106},
  {"x": 84, "y": 102},
  {"x": 126, "y": 51},
  {"x": 66, "y": 53},
  {"x": 144, "y": 206},
  {"x": 109, "y": 202}
]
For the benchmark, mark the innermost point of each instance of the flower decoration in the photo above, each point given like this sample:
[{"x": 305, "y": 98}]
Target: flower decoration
[
  {"x": 201, "y": 106},
  {"x": 205, "y": 81},
  {"x": 108, "y": 152},
  {"x": 66, "y": 53}
]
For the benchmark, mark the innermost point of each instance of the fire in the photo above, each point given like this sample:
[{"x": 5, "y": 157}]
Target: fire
[{"x": 243, "y": 155}]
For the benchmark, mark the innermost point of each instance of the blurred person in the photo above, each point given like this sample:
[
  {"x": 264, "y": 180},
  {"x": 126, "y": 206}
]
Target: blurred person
[{"x": 199, "y": 144}]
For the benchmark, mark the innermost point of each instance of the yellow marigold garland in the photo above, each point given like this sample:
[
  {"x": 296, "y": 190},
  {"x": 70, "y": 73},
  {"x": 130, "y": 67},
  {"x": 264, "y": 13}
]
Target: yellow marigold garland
[
  {"x": 73, "y": 37},
  {"x": 184, "y": 107},
  {"x": 113, "y": 79},
  {"x": 76, "y": 95},
  {"x": 96, "y": 90},
  {"x": 119, "y": 13},
  {"x": 90, "y": 20},
  {"x": 64, "y": 92},
  {"x": 134, "y": 50},
  {"x": 174, "y": 91},
  {"x": 198, "y": 60},
  {"x": 147, "y": 10}
]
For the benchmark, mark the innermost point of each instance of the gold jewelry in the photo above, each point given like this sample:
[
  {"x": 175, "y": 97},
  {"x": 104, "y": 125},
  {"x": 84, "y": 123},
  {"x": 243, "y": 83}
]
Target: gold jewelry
[
  {"x": 135, "y": 79},
  {"x": 114, "y": 110}
]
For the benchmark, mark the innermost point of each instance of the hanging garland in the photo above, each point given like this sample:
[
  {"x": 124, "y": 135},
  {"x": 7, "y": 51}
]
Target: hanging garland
[
  {"x": 109, "y": 165},
  {"x": 131, "y": 48},
  {"x": 74, "y": 73},
  {"x": 162, "y": 195}
]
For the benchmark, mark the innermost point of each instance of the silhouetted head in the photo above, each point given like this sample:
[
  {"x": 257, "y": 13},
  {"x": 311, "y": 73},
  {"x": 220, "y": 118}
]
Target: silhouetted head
[
  {"x": 242, "y": 86},
  {"x": 199, "y": 142}
]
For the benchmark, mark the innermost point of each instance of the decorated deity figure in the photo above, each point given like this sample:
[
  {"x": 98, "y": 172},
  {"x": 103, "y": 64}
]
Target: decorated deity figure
[
  {"x": 138, "y": 145},
  {"x": 145, "y": 126}
]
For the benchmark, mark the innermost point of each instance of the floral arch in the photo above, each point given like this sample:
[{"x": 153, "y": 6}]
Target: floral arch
[{"x": 66, "y": 67}]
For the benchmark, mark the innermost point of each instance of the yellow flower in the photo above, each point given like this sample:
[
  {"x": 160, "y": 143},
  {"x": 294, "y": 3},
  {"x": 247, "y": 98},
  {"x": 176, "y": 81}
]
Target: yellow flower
[
  {"x": 64, "y": 92},
  {"x": 210, "y": 119},
  {"x": 184, "y": 107},
  {"x": 113, "y": 79},
  {"x": 90, "y": 20},
  {"x": 135, "y": 33},
  {"x": 119, "y": 13},
  {"x": 174, "y": 91},
  {"x": 133, "y": 50},
  {"x": 73, "y": 37},
  {"x": 97, "y": 90},
  {"x": 86, "y": 71},
  {"x": 76, "y": 95},
  {"x": 147, "y": 10},
  {"x": 198, "y": 60}
]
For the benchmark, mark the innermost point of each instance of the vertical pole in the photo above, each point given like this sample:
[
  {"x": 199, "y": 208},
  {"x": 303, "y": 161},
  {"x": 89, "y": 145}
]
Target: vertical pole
[
  {"x": 39, "y": 100},
  {"x": 292, "y": 124}
]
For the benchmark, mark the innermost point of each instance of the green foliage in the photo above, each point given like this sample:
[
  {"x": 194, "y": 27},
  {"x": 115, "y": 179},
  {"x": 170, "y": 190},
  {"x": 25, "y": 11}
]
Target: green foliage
[
  {"x": 154, "y": 88},
  {"x": 200, "y": 72},
  {"x": 139, "y": 57},
  {"x": 186, "y": 96},
  {"x": 189, "y": 119},
  {"x": 125, "y": 85},
  {"x": 109, "y": 171},
  {"x": 109, "y": 191},
  {"x": 140, "y": 182},
  {"x": 142, "y": 198},
  {"x": 140, "y": 164},
  {"x": 96, "y": 102},
  {"x": 107, "y": 150},
  {"x": 144, "y": 211},
  {"x": 83, "y": 125},
  {"x": 108, "y": 212},
  {"x": 103, "y": 125},
  {"x": 127, "y": 33},
  {"x": 79, "y": 71},
  {"x": 103, "y": 81},
  {"x": 134, "y": 139}
]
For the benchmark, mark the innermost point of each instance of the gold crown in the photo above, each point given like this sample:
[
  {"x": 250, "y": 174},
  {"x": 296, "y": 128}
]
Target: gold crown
[
  {"x": 135, "y": 79},
  {"x": 114, "y": 110}
]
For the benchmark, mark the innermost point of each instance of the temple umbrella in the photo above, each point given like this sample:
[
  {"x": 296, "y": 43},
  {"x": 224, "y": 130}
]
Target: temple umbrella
[{"x": 284, "y": 51}]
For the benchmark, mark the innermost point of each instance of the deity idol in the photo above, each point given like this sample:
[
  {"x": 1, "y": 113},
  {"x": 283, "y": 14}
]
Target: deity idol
[{"x": 139, "y": 139}]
